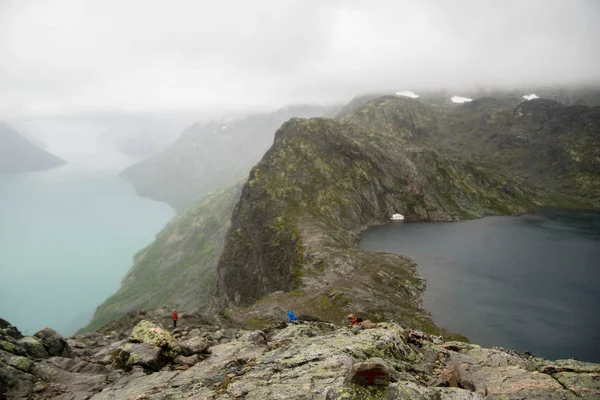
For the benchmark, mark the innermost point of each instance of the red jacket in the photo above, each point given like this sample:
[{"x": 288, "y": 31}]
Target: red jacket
[{"x": 174, "y": 316}]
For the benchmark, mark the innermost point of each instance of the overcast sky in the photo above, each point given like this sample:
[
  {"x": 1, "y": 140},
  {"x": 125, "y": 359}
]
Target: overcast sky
[{"x": 63, "y": 57}]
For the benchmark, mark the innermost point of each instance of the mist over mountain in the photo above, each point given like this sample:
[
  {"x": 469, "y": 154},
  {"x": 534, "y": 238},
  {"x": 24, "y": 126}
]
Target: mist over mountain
[
  {"x": 17, "y": 154},
  {"x": 226, "y": 163},
  {"x": 209, "y": 155}
]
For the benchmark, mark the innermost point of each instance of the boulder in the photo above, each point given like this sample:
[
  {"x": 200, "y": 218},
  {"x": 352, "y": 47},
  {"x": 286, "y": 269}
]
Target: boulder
[
  {"x": 147, "y": 332},
  {"x": 371, "y": 372},
  {"x": 16, "y": 382},
  {"x": 141, "y": 354},
  {"x": 7, "y": 329},
  {"x": 34, "y": 347},
  {"x": 257, "y": 337},
  {"x": 23, "y": 364},
  {"x": 195, "y": 345},
  {"x": 182, "y": 360},
  {"x": 368, "y": 324},
  {"x": 53, "y": 342},
  {"x": 8, "y": 346}
]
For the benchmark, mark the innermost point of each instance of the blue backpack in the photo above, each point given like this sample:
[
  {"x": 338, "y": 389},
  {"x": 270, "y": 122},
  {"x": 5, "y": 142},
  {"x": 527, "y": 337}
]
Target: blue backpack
[{"x": 291, "y": 316}]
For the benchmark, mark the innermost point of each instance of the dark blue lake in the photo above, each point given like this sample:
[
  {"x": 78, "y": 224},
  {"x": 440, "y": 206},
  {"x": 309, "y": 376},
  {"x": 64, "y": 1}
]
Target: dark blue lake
[{"x": 529, "y": 283}]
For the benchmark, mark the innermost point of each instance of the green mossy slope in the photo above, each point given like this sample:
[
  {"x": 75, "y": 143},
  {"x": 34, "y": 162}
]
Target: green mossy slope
[{"x": 177, "y": 269}]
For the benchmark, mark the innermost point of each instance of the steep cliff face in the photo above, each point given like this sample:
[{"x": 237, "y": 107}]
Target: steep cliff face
[
  {"x": 323, "y": 181},
  {"x": 177, "y": 269},
  {"x": 17, "y": 154}
]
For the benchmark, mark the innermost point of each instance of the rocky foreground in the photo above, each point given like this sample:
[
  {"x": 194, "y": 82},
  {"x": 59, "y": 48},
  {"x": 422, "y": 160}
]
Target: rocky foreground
[{"x": 142, "y": 357}]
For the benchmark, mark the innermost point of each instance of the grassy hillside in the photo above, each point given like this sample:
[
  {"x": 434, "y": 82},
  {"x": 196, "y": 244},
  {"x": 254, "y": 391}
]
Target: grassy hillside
[{"x": 176, "y": 270}]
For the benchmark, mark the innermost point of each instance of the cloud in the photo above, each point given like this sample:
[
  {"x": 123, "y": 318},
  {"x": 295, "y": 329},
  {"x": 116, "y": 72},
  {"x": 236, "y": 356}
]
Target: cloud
[{"x": 66, "y": 57}]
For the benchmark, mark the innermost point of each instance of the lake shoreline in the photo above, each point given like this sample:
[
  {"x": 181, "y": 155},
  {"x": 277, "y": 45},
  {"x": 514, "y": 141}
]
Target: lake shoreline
[{"x": 431, "y": 296}]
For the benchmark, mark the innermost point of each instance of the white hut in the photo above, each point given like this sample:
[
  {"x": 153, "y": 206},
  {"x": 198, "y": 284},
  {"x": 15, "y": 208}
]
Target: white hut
[{"x": 397, "y": 217}]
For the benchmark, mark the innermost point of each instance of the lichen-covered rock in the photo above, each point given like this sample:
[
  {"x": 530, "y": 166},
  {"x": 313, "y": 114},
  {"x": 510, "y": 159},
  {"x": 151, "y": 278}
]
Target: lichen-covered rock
[
  {"x": 143, "y": 354},
  {"x": 504, "y": 375},
  {"x": 34, "y": 347},
  {"x": 147, "y": 332},
  {"x": 7, "y": 346},
  {"x": 298, "y": 362},
  {"x": 21, "y": 363},
  {"x": 53, "y": 342},
  {"x": 398, "y": 391},
  {"x": 584, "y": 385}
]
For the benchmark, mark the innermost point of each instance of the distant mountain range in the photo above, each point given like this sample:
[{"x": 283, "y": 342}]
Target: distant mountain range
[
  {"x": 209, "y": 156},
  {"x": 17, "y": 154}
]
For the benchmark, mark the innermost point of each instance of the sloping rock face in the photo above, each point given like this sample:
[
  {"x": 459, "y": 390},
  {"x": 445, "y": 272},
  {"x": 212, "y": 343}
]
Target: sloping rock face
[{"x": 301, "y": 360}]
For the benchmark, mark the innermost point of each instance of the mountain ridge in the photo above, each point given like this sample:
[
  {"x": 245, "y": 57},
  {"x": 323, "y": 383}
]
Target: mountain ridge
[
  {"x": 206, "y": 156},
  {"x": 18, "y": 155}
]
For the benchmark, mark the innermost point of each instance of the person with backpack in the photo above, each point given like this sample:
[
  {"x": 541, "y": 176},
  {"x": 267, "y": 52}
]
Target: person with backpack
[
  {"x": 353, "y": 320},
  {"x": 358, "y": 321},
  {"x": 174, "y": 317}
]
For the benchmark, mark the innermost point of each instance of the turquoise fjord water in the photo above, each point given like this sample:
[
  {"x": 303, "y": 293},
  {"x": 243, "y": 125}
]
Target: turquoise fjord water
[
  {"x": 66, "y": 239},
  {"x": 529, "y": 283}
]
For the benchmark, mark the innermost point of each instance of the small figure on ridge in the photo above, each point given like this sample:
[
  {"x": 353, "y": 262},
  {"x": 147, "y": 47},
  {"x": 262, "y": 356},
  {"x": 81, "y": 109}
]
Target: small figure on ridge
[
  {"x": 174, "y": 317},
  {"x": 291, "y": 316}
]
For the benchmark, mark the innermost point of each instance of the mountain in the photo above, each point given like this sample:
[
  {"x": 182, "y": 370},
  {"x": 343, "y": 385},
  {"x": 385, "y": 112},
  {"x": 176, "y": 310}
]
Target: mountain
[
  {"x": 141, "y": 357},
  {"x": 208, "y": 156},
  {"x": 17, "y": 154},
  {"x": 547, "y": 144},
  {"x": 324, "y": 180}
]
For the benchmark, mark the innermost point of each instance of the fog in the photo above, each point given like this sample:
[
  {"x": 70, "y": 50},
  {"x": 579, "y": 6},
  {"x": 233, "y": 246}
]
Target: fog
[{"x": 72, "y": 57}]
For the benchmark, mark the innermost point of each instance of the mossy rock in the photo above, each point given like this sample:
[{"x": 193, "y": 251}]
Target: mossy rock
[{"x": 147, "y": 332}]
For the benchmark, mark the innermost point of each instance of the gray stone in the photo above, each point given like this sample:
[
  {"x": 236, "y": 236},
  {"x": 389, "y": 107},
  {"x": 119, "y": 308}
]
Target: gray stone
[
  {"x": 142, "y": 354},
  {"x": 21, "y": 363},
  {"x": 34, "y": 347},
  {"x": 62, "y": 362},
  {"x": 85, "y": 367},
  {"x": 53, "y": 342},
  {"x": 257, "y": 337},
  {"x": 9, "y": 330},
  {"x": 195, "y": 345},
  {"x": 182, "y": 360}
]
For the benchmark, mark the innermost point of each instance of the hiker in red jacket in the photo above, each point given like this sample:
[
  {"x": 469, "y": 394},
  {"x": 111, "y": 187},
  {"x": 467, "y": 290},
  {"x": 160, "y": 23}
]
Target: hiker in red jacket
[{"x": 175, "y": 317}]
